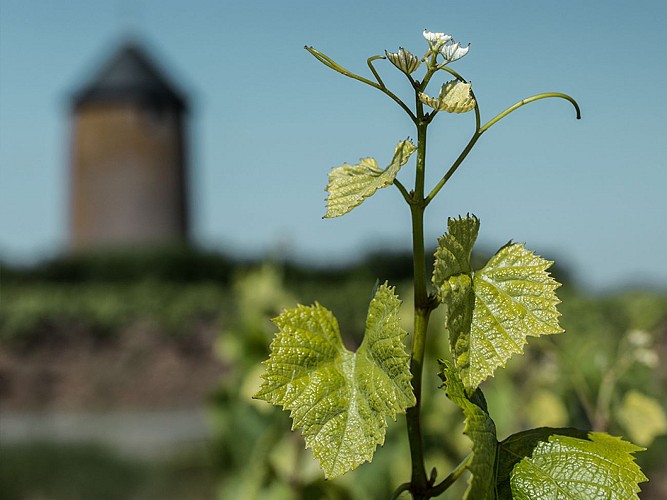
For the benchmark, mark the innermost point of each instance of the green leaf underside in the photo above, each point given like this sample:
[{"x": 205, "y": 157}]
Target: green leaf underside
[
  {"x": 481, "y": 430},
  {"x": 514, "y": 298},
  {"x": 565, "y": 467},
  {"x": 350, "y": 185},
  {"x": 545, "y": 463},
  {"x": 490, "y": 313},
  {"x": 452, "y": 277},
  {"x": 454, "y": 97},
  {"x": 339, "y": 399},
  {"x": 455, "y": 248},
  {"x": 520, "y": 445}
]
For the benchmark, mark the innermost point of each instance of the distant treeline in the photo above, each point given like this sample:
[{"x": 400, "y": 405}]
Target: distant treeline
[
  {"x": 190, "y": 265},
  {"x": 193, "y": 265}
]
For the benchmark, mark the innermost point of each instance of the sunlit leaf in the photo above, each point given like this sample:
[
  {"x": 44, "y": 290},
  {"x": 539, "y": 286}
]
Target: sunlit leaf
[
  {"x": 514, "y": 299},
  {"x": 482, "y": 432},
  {"x": 521, "y": 445},
  {"x": 455, "y": 248},
  {"x": 452, "y": 277},
  {"x": 601, "y": 466},
  {"x": 491, "y": 312},
  {"x": 454, "y": 97},
  {"x": 338, "y": 398},
  {"x": 350, "y": 185}
]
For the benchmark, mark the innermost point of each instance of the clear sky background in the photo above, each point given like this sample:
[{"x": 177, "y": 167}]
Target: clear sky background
[{"x": 269, "y": 122}]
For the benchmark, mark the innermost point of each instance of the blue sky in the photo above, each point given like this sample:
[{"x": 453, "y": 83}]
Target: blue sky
[{"x": 269, "y": 122}]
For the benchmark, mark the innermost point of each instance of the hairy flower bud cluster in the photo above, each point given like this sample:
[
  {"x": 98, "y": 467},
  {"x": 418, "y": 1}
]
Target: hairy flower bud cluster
[
  {"x": 444, "y": 45},
  {"x": 438, "y": 44}
]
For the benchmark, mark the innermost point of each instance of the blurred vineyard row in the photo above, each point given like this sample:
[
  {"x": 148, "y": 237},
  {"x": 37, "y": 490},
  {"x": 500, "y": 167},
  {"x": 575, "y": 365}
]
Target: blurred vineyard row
[{"x": 605, "y": 373}]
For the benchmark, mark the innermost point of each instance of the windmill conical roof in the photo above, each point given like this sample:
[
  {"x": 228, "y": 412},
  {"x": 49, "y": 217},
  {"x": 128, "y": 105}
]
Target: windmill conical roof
[{"x": 130, "y": 75}]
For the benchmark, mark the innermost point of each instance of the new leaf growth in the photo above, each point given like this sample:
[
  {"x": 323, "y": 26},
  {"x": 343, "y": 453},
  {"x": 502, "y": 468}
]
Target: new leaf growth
[{"x": 341, "y": 399}]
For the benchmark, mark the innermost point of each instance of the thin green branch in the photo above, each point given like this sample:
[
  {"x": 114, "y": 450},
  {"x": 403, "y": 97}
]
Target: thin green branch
[
  {"x": 427, "y": 78},
  {"x": 479, "y": 130},
  {"x": 399, "y": 490},
  {"x": 523, "y": 102},
  {"x": 451, "y": 478},
  {"x": 330, "y": 63},
  {"x": 455, "y": 165},
  {"x": 432, "y": 68},
  {"x": 369, "y": 61},
  {"x": 452, "y": 72},
  {"x": 327, "y": 61},
  {"x": 404, "y": 191},
  {"x": 412, "y": 81}
]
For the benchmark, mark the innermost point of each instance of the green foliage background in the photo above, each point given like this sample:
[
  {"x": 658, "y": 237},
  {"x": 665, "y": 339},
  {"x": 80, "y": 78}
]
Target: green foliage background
[
  {"x": 604, "y": 373},
  {"x": 558, "y": 383}
]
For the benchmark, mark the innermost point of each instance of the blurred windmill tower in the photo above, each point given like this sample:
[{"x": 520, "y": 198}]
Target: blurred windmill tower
[{"x": 128, "y": 176}]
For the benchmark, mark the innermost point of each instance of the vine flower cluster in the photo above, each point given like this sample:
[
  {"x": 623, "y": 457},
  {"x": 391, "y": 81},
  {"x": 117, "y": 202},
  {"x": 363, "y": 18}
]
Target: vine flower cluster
[
  {"x": 438, "y": 44},
  {"x": 455, "y": 95}
]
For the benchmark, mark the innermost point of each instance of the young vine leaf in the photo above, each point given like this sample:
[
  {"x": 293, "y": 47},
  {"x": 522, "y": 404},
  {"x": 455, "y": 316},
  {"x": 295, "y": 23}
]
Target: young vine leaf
[
  {"x": 481, "y": 430},
  {"x": 520, "y": 445},
  {"x": 491, "y": 312},
  {"x": 350, "y": 185},
  {"x": 454, "y": 97},
  {"x": 545, "y": 463},
  {"x": 338, "y": 398},
  {"x": 601, "y": 466}
]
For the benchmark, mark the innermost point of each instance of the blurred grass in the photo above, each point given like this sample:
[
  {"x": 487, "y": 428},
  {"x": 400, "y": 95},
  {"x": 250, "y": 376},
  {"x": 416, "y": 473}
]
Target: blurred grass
[
  {"x": 101, "y": 292},
  {"x": 85, "y": 471},
  {"x": 31, "y": 311}
]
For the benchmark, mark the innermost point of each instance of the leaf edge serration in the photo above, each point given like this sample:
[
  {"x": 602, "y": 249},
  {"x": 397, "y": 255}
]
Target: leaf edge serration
[{"x": 355, "y": 394}]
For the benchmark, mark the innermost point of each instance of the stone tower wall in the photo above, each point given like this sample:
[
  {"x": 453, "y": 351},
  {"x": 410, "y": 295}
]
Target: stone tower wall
[{"x": 128, "y": 176}]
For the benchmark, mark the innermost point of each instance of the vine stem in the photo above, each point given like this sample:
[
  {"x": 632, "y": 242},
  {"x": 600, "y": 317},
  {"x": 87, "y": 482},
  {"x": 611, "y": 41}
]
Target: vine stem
[
  {"x": 423, "y": 305},
  {"x": 452, "y": 477},
  {"x": 399, "y": 490},
  {"x": 455, "y": 165}
]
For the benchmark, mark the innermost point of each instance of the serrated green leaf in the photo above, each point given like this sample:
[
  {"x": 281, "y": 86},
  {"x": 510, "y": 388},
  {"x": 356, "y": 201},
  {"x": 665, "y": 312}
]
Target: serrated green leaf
[
  {"x": 455, "y": 248},
  {"x": 350, "y": 185},
  {"x": 514, "y": 299},
  {"x": 339, "y": 399},
  {"x": 481, "y": 430},
  {"x": 520, "y": 445},
  {"x": 490, "y": 313},
  {"x": 454, "y": 97},
  {"x": 452, "y": 277},
  {"x": 601, "y": 466}
]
